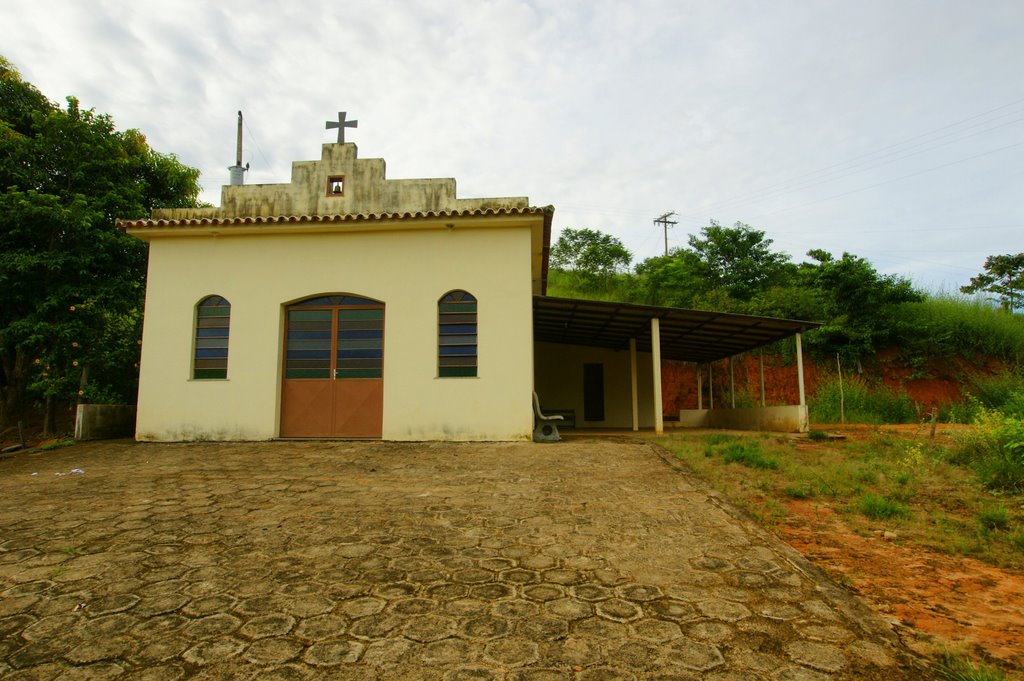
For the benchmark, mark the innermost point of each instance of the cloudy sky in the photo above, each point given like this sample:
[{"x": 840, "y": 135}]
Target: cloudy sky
[{"x": 892, "y": 129}]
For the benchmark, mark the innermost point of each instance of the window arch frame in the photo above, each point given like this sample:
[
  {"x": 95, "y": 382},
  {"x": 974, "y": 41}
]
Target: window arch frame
[
  {"x": 211, "y": 339},
  {"x": 457, "y": 311}
]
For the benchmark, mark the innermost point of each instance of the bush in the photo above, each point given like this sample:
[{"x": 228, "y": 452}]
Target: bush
[
  {"x": 994, "y": 449},
  {"x": 863, "y": 403},
  {"x": 946, "y": 326},
  {"x": 958, "y": 667}
]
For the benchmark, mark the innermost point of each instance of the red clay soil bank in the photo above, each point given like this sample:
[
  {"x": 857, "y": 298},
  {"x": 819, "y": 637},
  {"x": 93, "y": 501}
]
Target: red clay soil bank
[
  {"x": 937, "y": 385},
  {"x": 943, "y": 600}
]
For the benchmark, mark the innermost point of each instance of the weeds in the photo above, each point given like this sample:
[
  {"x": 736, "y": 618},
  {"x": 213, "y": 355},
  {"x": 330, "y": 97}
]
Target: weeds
[
  {"x": 994, "y": 450},
  {"x": 860, "y": 402},
  {"x": 743, "y": 451},
  {"x": 995, "y": 517},
  {"x": 881, "y": 508},
  {"x": 958, "y": 667}
]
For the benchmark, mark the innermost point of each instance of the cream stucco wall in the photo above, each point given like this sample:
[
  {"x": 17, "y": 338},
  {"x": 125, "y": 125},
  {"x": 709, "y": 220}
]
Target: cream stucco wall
[
  {"x": 409, "y": 270},
  {"x": 559, "y": 383}
]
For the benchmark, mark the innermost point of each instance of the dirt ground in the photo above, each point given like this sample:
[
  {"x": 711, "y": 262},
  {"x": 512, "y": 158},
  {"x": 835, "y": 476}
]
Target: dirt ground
[
  {"x": 941, "y": 601},
  {"x": 590, "y": 559}
]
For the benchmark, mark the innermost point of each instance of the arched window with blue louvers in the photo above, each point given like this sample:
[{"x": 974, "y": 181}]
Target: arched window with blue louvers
[
  {"x": 457, "y": 335},
  {"x": 210, "y": 352}
]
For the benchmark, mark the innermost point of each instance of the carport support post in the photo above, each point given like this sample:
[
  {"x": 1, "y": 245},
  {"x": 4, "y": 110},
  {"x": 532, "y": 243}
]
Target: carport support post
[
  {"x": 760, "y": 361},
  {"x": 732, "y": 385},
  {"x": 800, "y": 370},
  {"x": 659, "y": 419},
  {"x": 632, "y": 382},
  {"x": 700, "y": 388}
]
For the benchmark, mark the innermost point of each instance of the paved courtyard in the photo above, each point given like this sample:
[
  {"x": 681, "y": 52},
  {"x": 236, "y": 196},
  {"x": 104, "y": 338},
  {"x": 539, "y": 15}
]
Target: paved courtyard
[{"x": 588, "y": 559}]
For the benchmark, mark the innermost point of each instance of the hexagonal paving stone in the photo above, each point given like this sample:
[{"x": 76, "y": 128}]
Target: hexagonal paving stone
[
  {"x": 209, "y": 605},
  {"x": 308, "y": 605},
  {"x": 672, "y": 609},
  {"x": 321, "y": 627},
  {"x": 656, "y": 630},
  {"x": 638, "y": 593},
  {"x": 446, "y": 652},
  {"x": 824, "y": 632},
  {"x": 213, "y": 626},
  {"x": 97, "y": 650},
  {"x": 447, "y": 591},
  {"x": 473, "y": 576},
  {"x": 711, "y": 630},
  {"x": 569, "y": 608},
  {"x": 212, "y": 651},
  {"x": 511, "y": 652},
  {"x": 44, "y": 629},
  {"x": 484, "y": 627},
  {"x": 822, "y": 656},
  {"x": 497, "y": 564},
  {"x": 564, "y": 577},
  {"x": 395, "y": 590},
  {"x": 618, "y": 610},
  {"x": 427, "y": 628},
  {"x": 693, "y": 654},
  {"x": 389, "y": 652},
  {"x": 779, "y": 611},
  {"x": 331, "y": 653},
  {"x": 375, "y": 626},
  {"x": 543, "y": 628},
  {"x": 414, "y": 606},
  {"x": 591, "y": 592},
  {"x": 274, "y": 650},
  {"x": 275, "y": 624},
  {"x": 723, "y": 610},
  {"x": 361, "y": 607},
  {"x": 162, "y": 649},
  {"x": 492, "y": 592},
  {"x": 543, "y": 592},
  {"x": 114, "y": 603},
  {"x": 515, "y": 608},
  {"x": 108, "y": 625},
  {"x": 473, "y": 673}
]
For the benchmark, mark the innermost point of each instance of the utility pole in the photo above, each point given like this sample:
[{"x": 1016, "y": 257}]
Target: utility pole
[{"x": 665, "y": 222}]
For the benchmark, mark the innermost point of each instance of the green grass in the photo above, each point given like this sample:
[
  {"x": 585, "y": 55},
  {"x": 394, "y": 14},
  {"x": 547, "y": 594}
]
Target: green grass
[
  {"x": 861, "y": 403},
  {"x": 912, "y": 485},
  {"x": 996, "y": 517},
  {"x": 880, "y": 508},
  {"x": 958, "y": 667},
  {"x": 950, "y": 325}
]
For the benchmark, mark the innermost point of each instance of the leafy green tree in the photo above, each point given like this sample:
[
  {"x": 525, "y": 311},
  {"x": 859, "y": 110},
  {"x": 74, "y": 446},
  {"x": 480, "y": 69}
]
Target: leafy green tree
[
  {"x": 860, "y": 305},
  {"x": 738, "y": 258},
  {"x": 594, "y": 258},
  {"x": 1003, "y": 276},
  {"x": 72, "y": 284}
]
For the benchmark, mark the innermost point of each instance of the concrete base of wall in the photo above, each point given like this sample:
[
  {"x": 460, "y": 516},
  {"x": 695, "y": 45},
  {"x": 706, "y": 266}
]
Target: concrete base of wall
[
  {"x": 788, "y": 419},
  {"x": 104, "y": 421}
]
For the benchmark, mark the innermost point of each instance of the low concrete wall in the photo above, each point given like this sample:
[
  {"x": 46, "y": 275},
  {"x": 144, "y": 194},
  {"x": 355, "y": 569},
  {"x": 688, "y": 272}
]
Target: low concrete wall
[
  {"x": 788, "y": 419},
  {"x": 104, "y": 421}
]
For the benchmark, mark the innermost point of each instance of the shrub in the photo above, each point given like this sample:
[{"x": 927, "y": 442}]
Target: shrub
[
  {"x": 881, "y": 508},
  {"x": 994, "y": 449}
]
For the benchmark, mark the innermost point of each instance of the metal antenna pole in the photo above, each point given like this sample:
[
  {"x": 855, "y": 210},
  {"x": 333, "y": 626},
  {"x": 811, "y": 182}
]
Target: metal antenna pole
[{"x": 665, "y": 222}]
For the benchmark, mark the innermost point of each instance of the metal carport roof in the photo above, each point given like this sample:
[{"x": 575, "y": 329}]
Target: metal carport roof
[{"x": 690, "y": 335}]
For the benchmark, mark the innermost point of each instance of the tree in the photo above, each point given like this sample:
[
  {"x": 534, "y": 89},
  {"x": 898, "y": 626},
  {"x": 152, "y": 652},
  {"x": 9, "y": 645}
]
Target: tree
[
  {"x": 592, "y": 256},
  {"x": 1003, "y": 276},
  {"x": 738, "y": 258},
  {"x": 72, "y": 284},
  {"x": 860, "y": 305}
]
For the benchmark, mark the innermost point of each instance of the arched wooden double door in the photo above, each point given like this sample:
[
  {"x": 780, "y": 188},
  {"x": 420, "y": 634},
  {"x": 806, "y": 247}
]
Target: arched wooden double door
[{"x": 333, "y": 380}]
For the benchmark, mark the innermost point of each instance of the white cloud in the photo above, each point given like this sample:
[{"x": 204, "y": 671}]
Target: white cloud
[{"x": 614, "y": 112}]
